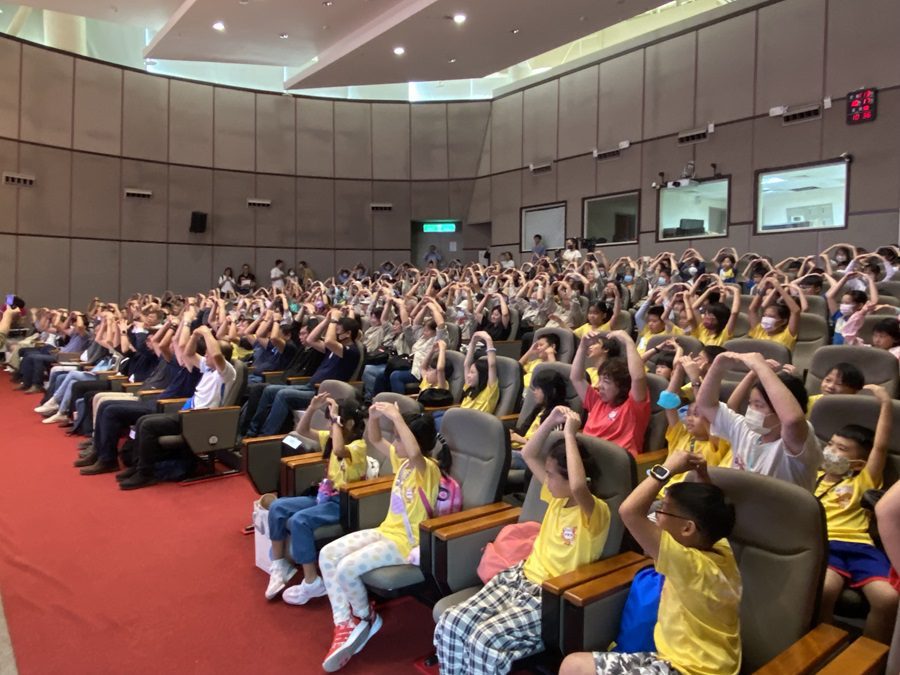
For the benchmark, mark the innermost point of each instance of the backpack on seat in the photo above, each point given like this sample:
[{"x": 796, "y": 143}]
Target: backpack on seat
[{"x": 449, "y": 498}]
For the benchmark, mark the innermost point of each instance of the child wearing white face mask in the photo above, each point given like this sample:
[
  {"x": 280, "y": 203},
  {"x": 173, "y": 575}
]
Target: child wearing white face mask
[
  {"x": 854, "y": 462},
  {"x": 773, "y": 438}
]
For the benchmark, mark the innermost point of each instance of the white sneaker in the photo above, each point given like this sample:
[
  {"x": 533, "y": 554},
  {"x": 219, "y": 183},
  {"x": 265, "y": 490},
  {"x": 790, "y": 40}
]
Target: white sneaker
[
  {"x": 304, "y": 592},
  {"x": 56, "y": 418},
  {"x": 280, "y": 573},
  {"x": 375, "y": 624},
  {"x": 47, "y": 408}
]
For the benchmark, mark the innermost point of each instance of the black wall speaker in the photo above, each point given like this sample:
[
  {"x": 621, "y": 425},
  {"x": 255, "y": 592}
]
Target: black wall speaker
[{"x": 198, "y": 221}]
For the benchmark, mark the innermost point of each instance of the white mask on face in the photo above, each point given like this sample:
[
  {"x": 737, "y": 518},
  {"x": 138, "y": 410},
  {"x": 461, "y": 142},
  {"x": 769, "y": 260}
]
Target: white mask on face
[
  {"x": 692, "y": 270},
  {"x": 768, "y": 323},
  {"x": 835, "y": 464},
  {"x": 756, "y": 421},
  {"x": 846, "y": 309},
  {"x": 662, "y": 281}
]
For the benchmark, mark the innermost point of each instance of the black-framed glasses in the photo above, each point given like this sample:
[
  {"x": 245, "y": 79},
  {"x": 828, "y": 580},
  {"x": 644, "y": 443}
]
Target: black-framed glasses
[{"x": 672, "y": 515}]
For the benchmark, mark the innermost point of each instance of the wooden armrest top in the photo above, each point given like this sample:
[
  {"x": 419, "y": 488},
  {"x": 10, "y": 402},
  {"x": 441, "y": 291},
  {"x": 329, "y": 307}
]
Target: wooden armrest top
[
  {"x": 432, "y": 524},
  {"x": 167, "y": 401},
  {"x": 513, "y": 417},
  {"x": 361, "y": 493},
  {"x": 500, "y": 518},
  {"x": 302, "y": 460},
  {"x": 263, "y": 439},
  {"x": 150, "y": 392},
  {"x": 503, "y": 342},
  {"x": 273, "y": 372},
  {"x": 364, "y": 484},
  {"x": 220, "y": 409},
  {"x": 862, "y": 657},
  {"x": 807, "y": 653},
  {"x": 654, "y": 456},
  {"x": 558, "y": 585},
  {"x": 429, "y": 408},
  {"x": 600, "y": 587},
  {"x": 299, "y": 379},
  {"x": 117, "y": 377}
]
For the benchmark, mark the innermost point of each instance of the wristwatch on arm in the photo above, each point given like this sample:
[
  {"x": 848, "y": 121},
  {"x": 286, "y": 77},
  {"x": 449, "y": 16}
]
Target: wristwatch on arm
[{"x": 660, "y": 473}]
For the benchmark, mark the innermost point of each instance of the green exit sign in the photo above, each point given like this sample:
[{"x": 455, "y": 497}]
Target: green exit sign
[{"x": 438, "y": 227}]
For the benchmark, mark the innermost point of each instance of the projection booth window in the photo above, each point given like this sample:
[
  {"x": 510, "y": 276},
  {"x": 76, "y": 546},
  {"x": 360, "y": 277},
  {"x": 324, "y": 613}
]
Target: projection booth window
[
  {"x": 612, "y": 219},
  {"x": 804, "y": 198},
  {"x": 696, "y": 209}
]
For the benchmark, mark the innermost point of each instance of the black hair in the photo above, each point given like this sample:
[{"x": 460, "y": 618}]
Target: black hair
[
  {"x": 712, "y": 351},
  {"x": 423, "y": 429},
  {"x": 794, "y": 385},
  {"x": 851, "y": 376},
  {"x": 859, "y": 297},
  {"x": 706, "y": 506},
  {"x": 617, "y": 370},
  {"x": 862, "y": 436},
  {"x": 812, "y": 280},
  {"x": 278, "y": 262},
  {"x": 226, "y": 349},
  {"x": 554, "y": 387},
  {"x": 730, "y": 257},
  {"x": 666, "y": 359},
  {"x": 889, "y": 327},
  {"x": 558, "y": 452},
  {"x": 552, "y": 340},
  {"x": 481, "y": 365},
  {"x": 721, "y": 313},
  {"x": 613, "y": 348},
  {"x": 783, "y": 312},
  {"x": 351, "y": 326},
  {"x": 348, "y": 410},
  {"x": 656, "y": 310},
  {"x": 604, "y": 308}
]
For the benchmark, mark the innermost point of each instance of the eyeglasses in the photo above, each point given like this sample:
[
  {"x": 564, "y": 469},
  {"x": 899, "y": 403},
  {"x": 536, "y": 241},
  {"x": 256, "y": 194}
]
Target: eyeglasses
[{"x": 671, "y": 515}]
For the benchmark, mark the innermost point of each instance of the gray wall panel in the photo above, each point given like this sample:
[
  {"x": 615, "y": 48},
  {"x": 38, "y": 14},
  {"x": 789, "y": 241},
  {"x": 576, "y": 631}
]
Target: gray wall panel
[
  {"x": 790, "y": 53},
  {"x": 320, "y": 261},
  {"x": 315, "y": 213},
  {"x": 506, "y": 199},
  {"x": 9, "y": 161},
  {"x": 872, "y": 23},
  {"x": 46, "y": 96},
  {"x": 352, "y": 214},
  {"x": 776, "y": 145},
  {"x": 662, "y": 155},
  {"x": 96, "y": 195},
  {"x": 190, "y": 268},
  {"x": 669, "y": 86},
  {"x": 265, "y": 261},
  {"x": 467, "y": 124},
  {"x": 233, "y": 257},
  {"x": 390, "y": 141},
  {"x": 867, "y": 230},
  {"x": 538, "y": 189},
  {"x": 45, "y": 207},
  {"x": 276, "y": 225},
  {"x": 430, "y": 200},
  {"x": 460, "y": 198},
  {"x": 8, "y": 256},
  {"x": 190, "y": 123},
  {"x": 234, "y": 123},
  {"x": 731, "y": 148},
  {"x": 36, "y": 255},
  {"x": 779, "y": 246},
  {"x": 143, "y": 269},
  {"x": 726, "y": 59},
  {"x": 95, "y": 271},
  {"x": 621, "y": 98},
  {"x": 352, "y": 140},
  {"x": 98, "y": 108},
  {"x": 190, "y": 189},
  {"x": 145, "y": 219},
  {"x": 145, "y": 117},
  {"x": 233, "y": 221},
  {"x": 315, "y": 137},
  {"x": 10, "y": 71},
  {"x": 391, "y": 228},
  {"x": 506, "y": 133},
  {"x": 574, "y": 182},
  {"x": 480, "y": 206},
  {"x": 429, "y": 141},
  {"x": 578, "y": 100},
  {"x": 276, "y": 138},
  {"x": 539, "y": 120},
  {"x": 621, "y": 174}
]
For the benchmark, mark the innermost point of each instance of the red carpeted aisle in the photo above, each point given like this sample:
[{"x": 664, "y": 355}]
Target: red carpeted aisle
[{"x": 96, "y": 580}]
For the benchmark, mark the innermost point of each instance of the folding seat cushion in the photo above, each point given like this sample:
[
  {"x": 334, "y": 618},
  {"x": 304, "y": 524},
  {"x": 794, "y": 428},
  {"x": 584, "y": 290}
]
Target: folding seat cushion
[{"x": 877, "y": 365}]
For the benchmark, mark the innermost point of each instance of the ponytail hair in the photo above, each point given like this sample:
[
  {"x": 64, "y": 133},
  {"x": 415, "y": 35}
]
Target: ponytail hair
[
  {"x": 348, "y": 410},
  {"x": 423, "y": 429}
]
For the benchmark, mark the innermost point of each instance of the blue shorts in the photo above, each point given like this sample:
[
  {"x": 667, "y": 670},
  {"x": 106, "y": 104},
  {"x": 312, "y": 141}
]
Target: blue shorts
[{"x": 859, "y": 563}]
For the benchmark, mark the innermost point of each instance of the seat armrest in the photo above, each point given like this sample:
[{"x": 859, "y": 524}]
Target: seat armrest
[
  {"x": 598, "y": 588},
  {"x": 647, "y": 460},
  {"x": 299, "y": 380},
  {"x": 261, "y": 459},
  {"x": 299, "y": 472},
  {"x": 263, "y": 439},
  {"x": 433, "y": 524},
  {"x": 168, "y": 405},
  {"x": 364, "y": 507},
  {"x": 274, "y": 377},
  {"x": 466, "y": 527},
  {"x": 433, "y": 409},
  {"x": 132, "y": 387},
  {"x": 559, "y": 585},
  {"x": 808, "y": 653},
  {"x": 299, "y": 460},
  {"x": 369, "y": 482},
  {"x": 862, "y": 657}
]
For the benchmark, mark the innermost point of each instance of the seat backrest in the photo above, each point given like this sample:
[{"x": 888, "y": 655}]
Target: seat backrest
[
  {"x": 878, "y": 366},
  {"x": 479, "y": 444},
  {"x": 690, "y": 345},
  {"x": 655, "y": 436},
  {"x": 513, "y": 322},
  {"x": 811, "y": 335},
  {"x": 769, "y": 350},
  {"x": 457, "y": 380},
  {"x": 817, "y": 305},
  {"x": 741, "y": 326},
  {"x": 781, "y": 547},
  {"x": 622, "y": 321},
  {"x": 832, "y": 412},
  {"x": 234, "y": 393},
  {"x": 566, "y": 342},
  {"x": 888, "y": 287},
  {"x": 357, "y": 372},
  {"x": 868, "y": 325},
  {"x": 453, "y": 336},
  {"x": 572, "y": 399},
  {"x": 509, "y": 378},
  {"x": 339, "y": 391}
]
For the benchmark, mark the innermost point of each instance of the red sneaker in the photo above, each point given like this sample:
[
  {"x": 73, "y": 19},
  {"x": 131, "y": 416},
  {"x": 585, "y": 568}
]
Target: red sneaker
[{"x": 347, "y": 637}]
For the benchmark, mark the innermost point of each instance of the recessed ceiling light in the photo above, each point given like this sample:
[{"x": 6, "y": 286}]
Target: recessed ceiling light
[
  {"x": 451, "y": 61},
  {"x": 399, "y": 51},
  {"x": 283, "y": 36},
  {"x": 459, "y": 18},
  {"x": 219, "y": 26},
  {"x": 327, "y": 3},
  {"x": 514, "y": 31}
]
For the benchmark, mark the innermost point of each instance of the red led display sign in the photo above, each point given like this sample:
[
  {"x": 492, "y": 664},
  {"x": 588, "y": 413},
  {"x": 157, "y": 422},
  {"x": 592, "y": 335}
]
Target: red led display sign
[{"x": 862, "y": 105}]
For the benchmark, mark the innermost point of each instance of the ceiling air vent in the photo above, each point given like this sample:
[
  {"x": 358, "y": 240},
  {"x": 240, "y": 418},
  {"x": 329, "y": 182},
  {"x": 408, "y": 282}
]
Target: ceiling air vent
[
  {"x": 134, "y": 193},
  {"x": 601, "y": 155},
  {"x": 697, "y": 135},
  {"x": 380, "y": 207},
  {"x": 259, "y": 203},
  {"x": 538, "y": 169},
  {"x": 802, "y": 114},
  {"x": 18, "y": 179}
]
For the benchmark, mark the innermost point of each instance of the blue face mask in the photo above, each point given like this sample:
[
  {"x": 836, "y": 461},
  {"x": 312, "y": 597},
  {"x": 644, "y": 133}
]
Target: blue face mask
[
  {"x": 669, "y": 400},
  {"x": 682, "y": 412},
  {"x": 628, "y": 278}
]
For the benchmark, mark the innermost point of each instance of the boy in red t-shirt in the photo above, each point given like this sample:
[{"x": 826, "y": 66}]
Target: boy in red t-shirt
[{"x": 618, "y": 406}]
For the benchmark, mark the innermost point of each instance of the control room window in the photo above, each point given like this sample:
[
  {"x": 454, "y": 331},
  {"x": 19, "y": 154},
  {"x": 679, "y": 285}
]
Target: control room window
[
  {"x": 695, "y": 210},
  {"x": 804, "y": 198},
  {"x": 612, "y": 219}
]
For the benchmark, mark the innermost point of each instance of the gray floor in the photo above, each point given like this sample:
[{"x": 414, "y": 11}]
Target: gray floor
[{"x": 7, "y": 660}]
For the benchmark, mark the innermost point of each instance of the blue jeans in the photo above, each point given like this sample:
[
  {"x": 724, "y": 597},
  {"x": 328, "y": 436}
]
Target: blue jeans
[
  {"x": 374, "y": 381},
  {"x": 399, "y": 380},
  {"x": 301, "y": 517},
  {"x": 33, "y": 367},
  {"x": 276, "y": 405},
  {"x": 63, "y": 393}
]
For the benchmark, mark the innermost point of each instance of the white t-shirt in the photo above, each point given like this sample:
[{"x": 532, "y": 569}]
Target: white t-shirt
[
  {"x": 572, "y": 255},
  {"x": 210, "y": 390},
  {"x": 768, "y": 459},
  {"x": 277, "y": 276}
]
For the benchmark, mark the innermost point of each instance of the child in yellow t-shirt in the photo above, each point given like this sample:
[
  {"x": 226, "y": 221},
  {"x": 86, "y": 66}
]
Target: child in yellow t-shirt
[
  {"x": 698, "y": 628},
  {"x": 548, "y": 390},
  {"x": 542, "y": 350},
  {"x": 854, "y": 462},
  {"x": 502, "y": 622},
  {"x": 780, "y": 321},
  {"x": 482, "y": 391},
  {"x": 345, "y": 560},
  {"x": 843, "y": 378},
  {"x": 344, "y": 452}
]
